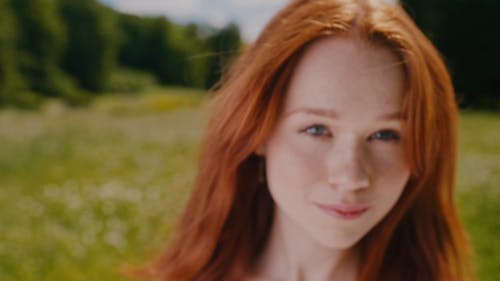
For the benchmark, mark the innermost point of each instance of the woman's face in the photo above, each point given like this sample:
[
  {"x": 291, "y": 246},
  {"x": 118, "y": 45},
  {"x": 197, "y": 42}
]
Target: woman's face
[{"x": 335, "y": 164}]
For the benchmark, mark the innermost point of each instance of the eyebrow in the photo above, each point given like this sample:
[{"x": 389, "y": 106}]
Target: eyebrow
[{"x": 334, "y": 115}]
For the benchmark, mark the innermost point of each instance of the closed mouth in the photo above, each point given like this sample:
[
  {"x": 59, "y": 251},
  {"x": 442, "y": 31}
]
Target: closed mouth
[{"x": 343, "y": 211}]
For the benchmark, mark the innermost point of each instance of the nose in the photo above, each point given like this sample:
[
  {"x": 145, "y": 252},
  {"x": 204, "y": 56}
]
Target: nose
[{"x": 347, "y": 166}]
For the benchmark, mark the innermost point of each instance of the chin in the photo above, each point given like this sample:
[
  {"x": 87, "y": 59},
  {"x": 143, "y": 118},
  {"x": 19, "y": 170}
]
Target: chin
[{"x": 338, "y": 242}]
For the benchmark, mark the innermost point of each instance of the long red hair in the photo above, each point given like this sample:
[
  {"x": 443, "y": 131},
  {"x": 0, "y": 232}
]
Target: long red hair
[{"x": 228, "y": 217}]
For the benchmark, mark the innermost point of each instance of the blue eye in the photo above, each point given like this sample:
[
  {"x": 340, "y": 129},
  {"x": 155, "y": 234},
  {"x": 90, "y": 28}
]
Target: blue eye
[
  {"x": 386, "y": 135},
  {"x": 317, "y": 130}
]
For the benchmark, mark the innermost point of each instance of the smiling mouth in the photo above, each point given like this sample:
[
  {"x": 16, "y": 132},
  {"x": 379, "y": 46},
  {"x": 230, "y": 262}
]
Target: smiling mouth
[{"x": 344, "y": 212}]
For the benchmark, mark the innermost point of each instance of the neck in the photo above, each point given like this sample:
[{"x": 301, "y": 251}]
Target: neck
[{"x": 292, "y": 254}]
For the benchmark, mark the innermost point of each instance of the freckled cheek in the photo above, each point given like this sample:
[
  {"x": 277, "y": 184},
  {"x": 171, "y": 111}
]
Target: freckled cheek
[
  {"x": 389, "y": 165},
  {"x": 297, "y": 158},
  {"x": 310, "y": 153}
]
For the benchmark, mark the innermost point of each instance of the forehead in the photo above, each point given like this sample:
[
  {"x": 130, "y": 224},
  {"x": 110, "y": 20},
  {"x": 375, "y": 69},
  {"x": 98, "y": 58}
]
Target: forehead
[{"x": 349, "y": 75}]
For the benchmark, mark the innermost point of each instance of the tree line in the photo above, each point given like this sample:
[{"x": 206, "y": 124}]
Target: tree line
[{"x": 77, "y": 49}]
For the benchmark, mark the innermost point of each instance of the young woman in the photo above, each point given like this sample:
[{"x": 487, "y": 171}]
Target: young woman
[{"x": 330, "y": 155}]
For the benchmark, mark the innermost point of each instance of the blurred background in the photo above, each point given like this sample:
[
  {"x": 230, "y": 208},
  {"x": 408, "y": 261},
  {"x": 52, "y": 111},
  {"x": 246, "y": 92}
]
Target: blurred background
[{"x": 102, "y": 107}]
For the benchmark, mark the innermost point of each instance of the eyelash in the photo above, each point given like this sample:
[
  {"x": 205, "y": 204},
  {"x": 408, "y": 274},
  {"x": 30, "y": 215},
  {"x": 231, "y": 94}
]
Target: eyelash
[
  {"x": 317, "y": 127},
  {"x": 393, "y": 137}
]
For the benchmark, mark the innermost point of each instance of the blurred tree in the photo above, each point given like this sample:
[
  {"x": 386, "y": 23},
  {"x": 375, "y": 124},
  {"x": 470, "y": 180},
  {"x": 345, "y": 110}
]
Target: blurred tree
[
  {"x": 90, "y": 54},
  {"x": 465, "y": 33},
  {"x": 224, "y": 46},
  {"x": 40, "y": 42},
  {"x": 10, "y": 78},
  {"x": 135, "y": 41},
  {"x": 170, "y": 51},
  {"x": 70, "y": 48},
  {"x": 169, "y": 58},
  {"x": 198, "y": 56}
]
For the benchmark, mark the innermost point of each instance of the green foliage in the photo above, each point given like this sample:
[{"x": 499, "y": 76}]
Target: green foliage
[
  {"x": 174, "y": 53},
  {"x": 41, "y": 31},
  {"x": 73, "y": 50},
  {"x": 224, "y": 46},
  {"x": 169, "y": 57},
  {"x": 41, "y": 42},
  {"x": 136, "y": 41},
  {"x": 198, "y": 68},
  {"x": 126, "y": 80},
  {"x": 145, "y": 45},
  {"x": 90, "y": 54},
  {"x": 10, "y": 77}
]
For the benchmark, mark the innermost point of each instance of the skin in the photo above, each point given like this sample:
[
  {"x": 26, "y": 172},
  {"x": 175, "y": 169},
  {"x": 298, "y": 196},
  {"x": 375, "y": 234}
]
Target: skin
[{"x": 338, "y": 142}]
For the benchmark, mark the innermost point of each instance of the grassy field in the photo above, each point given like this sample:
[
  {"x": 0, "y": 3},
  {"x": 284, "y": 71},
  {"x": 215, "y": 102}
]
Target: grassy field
[
  {"x": 84, "y": 192},
  {"x": 479, "y": 188}
]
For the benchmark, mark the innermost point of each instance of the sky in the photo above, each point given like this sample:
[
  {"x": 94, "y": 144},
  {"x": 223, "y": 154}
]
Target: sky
[{"x": 250, "y": 15}]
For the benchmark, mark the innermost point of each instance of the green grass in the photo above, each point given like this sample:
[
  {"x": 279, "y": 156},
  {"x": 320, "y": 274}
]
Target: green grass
[
  {"x": 84, "y": 192},
  {"x": 479, "y": 188}
]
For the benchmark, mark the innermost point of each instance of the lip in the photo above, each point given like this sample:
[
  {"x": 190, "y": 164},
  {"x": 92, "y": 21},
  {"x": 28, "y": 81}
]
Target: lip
[{"x": 343, "y": 211}]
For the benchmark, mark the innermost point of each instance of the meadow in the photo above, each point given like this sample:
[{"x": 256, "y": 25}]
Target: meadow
[{"x": 86, "y": 192}]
